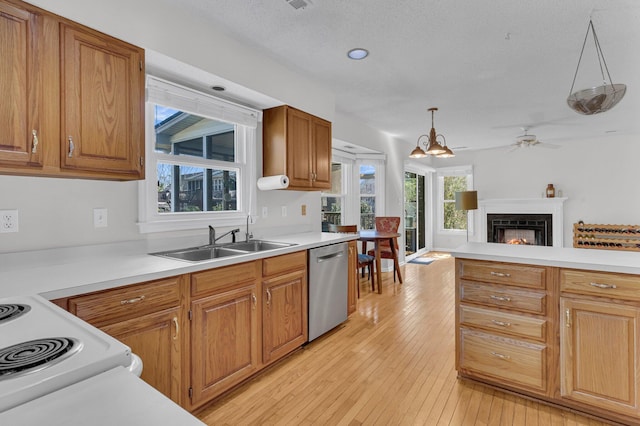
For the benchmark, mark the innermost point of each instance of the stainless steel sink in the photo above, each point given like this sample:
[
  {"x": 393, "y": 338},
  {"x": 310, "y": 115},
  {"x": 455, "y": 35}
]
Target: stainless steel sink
[
  {"x": 258, "y": 245},
  {"x": 199, "y": 254}
]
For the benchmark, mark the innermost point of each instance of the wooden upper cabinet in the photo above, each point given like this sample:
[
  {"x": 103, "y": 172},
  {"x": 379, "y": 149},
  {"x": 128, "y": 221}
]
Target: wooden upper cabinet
[
  {"x": 101, "y": 103},
  {"x": 73, "y": 98},
  {"x": 297, "y": 144},
  {"x": 19, "y": 85}
]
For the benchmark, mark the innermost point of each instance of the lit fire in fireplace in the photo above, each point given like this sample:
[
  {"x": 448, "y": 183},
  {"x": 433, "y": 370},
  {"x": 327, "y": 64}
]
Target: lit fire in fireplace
[{"x": 518, "y": 241}]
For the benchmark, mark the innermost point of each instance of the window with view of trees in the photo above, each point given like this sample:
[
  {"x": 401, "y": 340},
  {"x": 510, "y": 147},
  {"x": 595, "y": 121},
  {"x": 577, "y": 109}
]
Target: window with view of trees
[
  {"x": 451, "y": 181},
  {"x": 367, "y": 196},
  {"x": 198, "y": 164}
]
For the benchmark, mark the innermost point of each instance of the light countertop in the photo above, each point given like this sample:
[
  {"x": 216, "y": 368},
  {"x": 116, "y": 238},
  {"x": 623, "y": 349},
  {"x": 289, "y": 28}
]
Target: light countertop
[
  {"x": 64, "y": 272},
  {"x": 565, "y": 257}
]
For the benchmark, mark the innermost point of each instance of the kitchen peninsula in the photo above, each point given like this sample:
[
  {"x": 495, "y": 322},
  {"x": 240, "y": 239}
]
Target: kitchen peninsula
[{"x": 560, "y": 325}]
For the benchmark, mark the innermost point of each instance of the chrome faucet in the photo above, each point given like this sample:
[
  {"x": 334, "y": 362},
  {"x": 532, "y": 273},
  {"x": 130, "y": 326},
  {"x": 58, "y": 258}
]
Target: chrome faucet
[
  {"x": 248, "y": 234},
  {"x": 212, "y": 235}
]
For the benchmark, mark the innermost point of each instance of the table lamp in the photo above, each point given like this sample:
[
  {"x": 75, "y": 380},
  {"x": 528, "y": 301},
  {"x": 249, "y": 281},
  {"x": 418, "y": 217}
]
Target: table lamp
[{"x": 467, "y": 200}]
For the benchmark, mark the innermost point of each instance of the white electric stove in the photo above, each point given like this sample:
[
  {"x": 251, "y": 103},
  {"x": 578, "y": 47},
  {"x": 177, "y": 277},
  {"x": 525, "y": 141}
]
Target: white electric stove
[{"x": 43, "y": 348}]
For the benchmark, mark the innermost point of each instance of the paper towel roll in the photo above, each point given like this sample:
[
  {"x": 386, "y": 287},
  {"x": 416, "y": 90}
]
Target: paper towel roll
[{"x": 273, "y": 182}]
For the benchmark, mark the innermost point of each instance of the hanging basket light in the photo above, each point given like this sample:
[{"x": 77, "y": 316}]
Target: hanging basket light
[{"x": 600, "y": 98}]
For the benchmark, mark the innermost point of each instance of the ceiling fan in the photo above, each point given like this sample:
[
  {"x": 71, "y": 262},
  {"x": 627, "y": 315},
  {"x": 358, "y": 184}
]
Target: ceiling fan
[{"x": 527, "y": 141}]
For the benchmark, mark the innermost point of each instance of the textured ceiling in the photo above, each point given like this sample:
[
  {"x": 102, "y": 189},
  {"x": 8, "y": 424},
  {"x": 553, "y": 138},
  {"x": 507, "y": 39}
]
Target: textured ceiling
[{"x": 491, "y": 66}]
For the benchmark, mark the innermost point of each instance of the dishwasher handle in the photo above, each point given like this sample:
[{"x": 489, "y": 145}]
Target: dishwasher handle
[{"x": 327, "y": 257}]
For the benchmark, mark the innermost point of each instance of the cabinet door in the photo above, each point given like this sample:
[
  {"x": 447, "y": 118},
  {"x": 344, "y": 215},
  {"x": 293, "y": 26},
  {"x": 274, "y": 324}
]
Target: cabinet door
[
  {"x": 19, "y": 87},
  {"x": 321, "y": 154},
  {"x": 224, "y": 342},
  {"x": 352, "y": 290},
  {"x": 299, "y": 154},
  {"x": 102, "y": 102},
  {"x": 284, "y": 324},
  {"x": 598, "y": 354},
  {"x": 155, "y": 338}
]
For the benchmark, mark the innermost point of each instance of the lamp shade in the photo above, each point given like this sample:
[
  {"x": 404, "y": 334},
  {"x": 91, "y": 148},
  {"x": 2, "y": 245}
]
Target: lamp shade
[{"x": 467, "y": 200}]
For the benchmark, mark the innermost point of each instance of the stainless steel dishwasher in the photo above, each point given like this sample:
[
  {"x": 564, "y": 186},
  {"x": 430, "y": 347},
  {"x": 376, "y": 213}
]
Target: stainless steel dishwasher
[{"x": 328, "y": 275}]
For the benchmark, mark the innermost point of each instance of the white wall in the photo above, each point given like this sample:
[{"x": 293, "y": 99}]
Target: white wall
[{"x": 602, "y": 187}]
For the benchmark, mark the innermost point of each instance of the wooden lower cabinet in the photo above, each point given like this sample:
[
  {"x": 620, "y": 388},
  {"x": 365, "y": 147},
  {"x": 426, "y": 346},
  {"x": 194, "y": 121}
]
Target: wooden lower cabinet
[
  {"x": 284, "y": 315},
  {"x": 156, "y": 339},
  {"x": 600, "y": 354},
  {"x": 352, "y": 278},
  {"x": 150, "y": 319},
  {"x": 225, "y": 341}
]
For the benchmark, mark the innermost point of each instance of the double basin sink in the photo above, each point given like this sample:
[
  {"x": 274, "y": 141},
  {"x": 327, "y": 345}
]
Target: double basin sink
[{"x": 202, "y": 253}]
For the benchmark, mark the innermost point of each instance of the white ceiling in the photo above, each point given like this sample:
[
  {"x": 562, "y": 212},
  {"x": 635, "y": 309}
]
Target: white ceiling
[{"x": 490, "y": 66}]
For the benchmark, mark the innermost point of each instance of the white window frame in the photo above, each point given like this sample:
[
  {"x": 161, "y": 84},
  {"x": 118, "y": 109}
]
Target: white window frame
[
  {"x": 440, "y": 175},
  {"x": 245, "y": 119},
  {"x": 378, "y": 161},
  {"x": 346, "y": 170}
]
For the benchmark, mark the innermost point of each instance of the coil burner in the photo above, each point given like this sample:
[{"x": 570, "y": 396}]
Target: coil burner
[{"x": 35, "y": 355}]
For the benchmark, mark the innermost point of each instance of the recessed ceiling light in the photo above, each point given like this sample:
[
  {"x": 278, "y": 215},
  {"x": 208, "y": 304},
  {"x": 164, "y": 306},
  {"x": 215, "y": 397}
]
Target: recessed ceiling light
[
  {"x": 218, "y": 88},
  {"x": 358, "y": 53}
]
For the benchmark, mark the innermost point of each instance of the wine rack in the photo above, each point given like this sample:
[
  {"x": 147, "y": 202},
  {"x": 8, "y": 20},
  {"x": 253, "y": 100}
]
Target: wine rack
[{"x": 606, "y": 237}]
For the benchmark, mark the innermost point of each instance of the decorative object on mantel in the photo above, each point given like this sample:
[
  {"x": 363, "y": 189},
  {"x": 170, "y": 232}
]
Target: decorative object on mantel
[
  {"x": 467, "y": 200},
  {"x": 432, "y": 145},
  {"x": 606, "y": 237},
  {"x": 551, "y": 191},
  {"x": 600, "y": 98}
]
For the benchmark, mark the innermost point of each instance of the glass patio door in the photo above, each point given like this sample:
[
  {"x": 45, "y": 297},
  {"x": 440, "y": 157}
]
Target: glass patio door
[{"x": 414, "y": 213}]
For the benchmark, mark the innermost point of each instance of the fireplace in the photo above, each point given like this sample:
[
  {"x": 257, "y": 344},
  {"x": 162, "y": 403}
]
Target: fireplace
[
  {"x": 512, "y": 228},
  {"x": 522, "y": 209}
]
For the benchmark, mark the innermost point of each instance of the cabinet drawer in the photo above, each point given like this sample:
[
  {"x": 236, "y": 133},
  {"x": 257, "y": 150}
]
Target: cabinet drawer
[
  {"x": 507, "y": 360},
  {"x": 615, "y": 286},
  {"x": 518, "y": 325},
  {"x": 284, "y": 263},
  {"x": 503, "y": 273},
  {"x": 128, "y": 302},
  {"x": 526, "y": 301},
  {"x": 225, "y": 278}
]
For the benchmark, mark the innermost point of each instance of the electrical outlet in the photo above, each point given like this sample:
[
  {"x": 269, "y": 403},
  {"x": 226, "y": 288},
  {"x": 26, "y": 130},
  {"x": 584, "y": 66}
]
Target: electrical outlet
[
  {"x": 284, "y": 211},
  {"x": 8, "y": 220},
  {"x": 100, "y": 218},
  {"x": 304, "y": 210},
  {"x": 265, "y": 211}
]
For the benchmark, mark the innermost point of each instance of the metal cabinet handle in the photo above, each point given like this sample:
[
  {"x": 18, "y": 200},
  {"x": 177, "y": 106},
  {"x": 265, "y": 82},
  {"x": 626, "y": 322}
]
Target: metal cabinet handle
[
  {"x": 568, "y": 318},
  {"x": 71, "y": 147},
  {"x": 500, "y": 274},
  {"x": 603, "y": 285},
  {"x": 175, "y": 322},
  {"x": 268, "y": 296},
  {"x": 501, "y": 323},
  {"x": 34, "y": 149},
  {"x": 501, "y": 298},
  {"x": 501, "y": 356},
  {"x": 255, "y": 300},
  {"x": 130, "y": 301}
]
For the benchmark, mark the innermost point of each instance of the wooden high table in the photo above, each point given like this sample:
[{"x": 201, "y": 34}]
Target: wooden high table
[{"x": 376, "y": 237}]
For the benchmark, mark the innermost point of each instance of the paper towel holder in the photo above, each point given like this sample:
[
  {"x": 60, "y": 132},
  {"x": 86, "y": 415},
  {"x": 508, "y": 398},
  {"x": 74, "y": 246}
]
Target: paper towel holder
[{"x": 268, "y": 183}]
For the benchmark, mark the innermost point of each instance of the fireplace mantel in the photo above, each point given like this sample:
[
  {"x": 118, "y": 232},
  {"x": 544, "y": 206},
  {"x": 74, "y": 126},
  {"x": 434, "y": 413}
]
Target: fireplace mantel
[{"x": 553, "y": 206}]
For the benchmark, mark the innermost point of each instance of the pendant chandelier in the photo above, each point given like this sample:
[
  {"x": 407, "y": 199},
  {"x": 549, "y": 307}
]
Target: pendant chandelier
[
  {"x": 600, "y": 98},
  {"x": 431, "y": 144}
]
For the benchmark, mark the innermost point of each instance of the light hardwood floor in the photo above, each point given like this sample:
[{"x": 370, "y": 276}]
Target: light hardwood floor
[{"x": 391, "y": 363}]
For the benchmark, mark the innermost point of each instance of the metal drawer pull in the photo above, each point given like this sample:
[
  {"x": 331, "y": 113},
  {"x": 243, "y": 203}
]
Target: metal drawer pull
[
  {"x": 501, "y": 323},
  {"x": 568, "y": 318},
  {"x": 501, "y": 298},
  {"x": 130, "y": 301},
  {"x": 175, "y": 322},
  {"x": 500, "y": 274},
  {"x": 603, "y": 285},
  {"x": 268, "y": 297},
  {"x": 501, "y": 356},
  {"x": 35, "y": 142},
  {"x": 255, "y": 300},
  {"x": 71, "y": 147}
]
